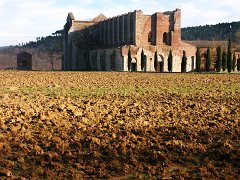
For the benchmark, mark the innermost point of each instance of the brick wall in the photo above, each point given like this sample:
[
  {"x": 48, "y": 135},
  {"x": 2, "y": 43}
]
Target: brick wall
[{"x": 40, "y": 60}]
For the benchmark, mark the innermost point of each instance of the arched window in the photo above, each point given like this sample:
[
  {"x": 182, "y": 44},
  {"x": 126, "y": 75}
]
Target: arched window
[
  {"x": 134, "y": 64},
  {"x": 160, "y": 65},
  {"x": 165, "y": 38}
]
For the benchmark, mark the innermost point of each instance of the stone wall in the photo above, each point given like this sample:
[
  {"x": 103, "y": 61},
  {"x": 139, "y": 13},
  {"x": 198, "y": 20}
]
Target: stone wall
[
  {"x": 162, "y": 58},
  {"x": 8, "y": 58},
  {"x": 106, "y": 60},
  {"x": 158, "y": 29},
  {"x": 116, "y": 59},
  {"x": 115, "y": 31},
  {"x": 140, "y": 24},
  {"x": 40, "y": 59}
]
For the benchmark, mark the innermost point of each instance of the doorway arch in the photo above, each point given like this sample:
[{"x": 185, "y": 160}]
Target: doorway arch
[
  {"x": 160, "y": 63},
  {"x": 134, "y": 64}
]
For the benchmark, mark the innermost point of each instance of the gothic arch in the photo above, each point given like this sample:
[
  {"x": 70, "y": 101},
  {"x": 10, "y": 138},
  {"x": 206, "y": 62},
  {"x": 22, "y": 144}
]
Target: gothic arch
[
  {"x": 134, "y": 64},
  {"x": 160, "y": 64}
]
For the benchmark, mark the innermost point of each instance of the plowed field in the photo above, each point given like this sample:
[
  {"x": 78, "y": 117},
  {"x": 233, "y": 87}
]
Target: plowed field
[{"x": 75, "y": 125}]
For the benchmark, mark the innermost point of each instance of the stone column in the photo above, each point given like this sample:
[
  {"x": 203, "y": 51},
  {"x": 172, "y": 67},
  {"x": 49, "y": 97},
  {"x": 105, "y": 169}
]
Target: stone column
[
  {"x": 74, "y": 58},
  {"x": 109, "y": 31},
  {"x": 134, "y": 28},
  {"x": 98, "y": 61},
  {"x": 125, "y": 63},
  {"x": 100, "y": 32},
  {"x": 113, "y": 30},
  {"x": 117, "y": 29},
  {"x": 104, "y": 32},
  {"x": 107, "y": 60},
  {"x": 123, "y": 29},
  {"x": 90, "y": 60},
  {"x": 128, "y": 27},
  {"x": 65, "y": 46}
]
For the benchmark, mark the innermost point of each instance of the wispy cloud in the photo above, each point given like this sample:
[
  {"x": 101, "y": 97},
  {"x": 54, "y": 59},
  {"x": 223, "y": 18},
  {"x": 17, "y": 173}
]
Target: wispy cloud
[{"x": 25, "y": 20}]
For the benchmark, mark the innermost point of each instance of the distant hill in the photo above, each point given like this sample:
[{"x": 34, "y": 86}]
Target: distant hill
[
  {"x": 216, "y": 32},
  {"x": 4, "y": 47}
]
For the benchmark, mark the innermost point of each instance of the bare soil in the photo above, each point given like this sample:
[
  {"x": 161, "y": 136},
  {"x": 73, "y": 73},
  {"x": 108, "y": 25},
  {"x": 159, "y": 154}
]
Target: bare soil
[{"x": 76, "y": 125}]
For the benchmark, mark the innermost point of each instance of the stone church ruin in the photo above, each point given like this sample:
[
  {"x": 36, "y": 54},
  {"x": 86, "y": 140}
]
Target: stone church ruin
[{"x": 104, "y": 44}]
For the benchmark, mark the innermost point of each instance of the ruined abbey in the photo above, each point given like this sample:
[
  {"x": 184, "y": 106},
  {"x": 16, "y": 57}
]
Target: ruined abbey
[{"x": 105, "y": 44}]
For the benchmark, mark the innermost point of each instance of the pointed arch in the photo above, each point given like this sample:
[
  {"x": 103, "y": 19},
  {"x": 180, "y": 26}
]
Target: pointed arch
[{"x": 160, "y": 63}]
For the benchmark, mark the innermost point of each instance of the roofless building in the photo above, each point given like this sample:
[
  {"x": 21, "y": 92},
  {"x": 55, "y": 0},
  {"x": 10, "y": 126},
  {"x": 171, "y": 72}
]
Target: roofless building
[{"x": 103, "y": 43}]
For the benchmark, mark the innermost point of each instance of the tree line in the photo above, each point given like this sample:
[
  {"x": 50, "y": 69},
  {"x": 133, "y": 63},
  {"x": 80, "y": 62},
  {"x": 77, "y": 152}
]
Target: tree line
[
  {"x": 49, "y": 43},
  {"x": 221, "y": 31},
  {"x": 224, "y": 60}
]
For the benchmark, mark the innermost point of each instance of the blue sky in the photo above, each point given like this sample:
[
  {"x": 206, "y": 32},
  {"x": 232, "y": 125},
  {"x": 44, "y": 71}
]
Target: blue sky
[{"x": 23, "y": 21}]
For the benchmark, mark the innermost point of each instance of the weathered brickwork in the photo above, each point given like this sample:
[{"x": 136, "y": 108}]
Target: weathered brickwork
[
  {"x": 103, "y": 44},
  {"x": 40, "y": 60}
]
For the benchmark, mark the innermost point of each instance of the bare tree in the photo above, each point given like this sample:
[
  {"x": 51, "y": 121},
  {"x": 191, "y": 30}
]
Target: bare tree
[{"x": 54, "y": 50}]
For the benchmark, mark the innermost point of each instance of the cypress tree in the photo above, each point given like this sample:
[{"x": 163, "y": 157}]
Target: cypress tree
[
  {"x": 155, "y": 61},
  {"x": 142, "y": 60},
  {"x": 129, "y": 59},
  {"x": 198, "y": 59},
  {"x": 219, "y": 59},
  {"x": 170, "y": 62},
  {"x": 224, "y": 61},
  {"x": 229, "y": 56},
  {"x": 208, "y": 60},
  {"x": 238, "y": 64},
  {"x": 234, "y": 62},
  {"x": 184, "y": 62}
]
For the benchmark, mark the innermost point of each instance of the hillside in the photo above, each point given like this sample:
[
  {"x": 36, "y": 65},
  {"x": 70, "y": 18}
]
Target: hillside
[
  {"x": 48, "y": 43},
  {"x": 4, "y": 47},
  {"x": 217, "y": 32}
]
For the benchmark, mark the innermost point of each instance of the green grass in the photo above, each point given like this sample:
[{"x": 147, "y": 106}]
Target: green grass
[{"x": 124, "y": 90}]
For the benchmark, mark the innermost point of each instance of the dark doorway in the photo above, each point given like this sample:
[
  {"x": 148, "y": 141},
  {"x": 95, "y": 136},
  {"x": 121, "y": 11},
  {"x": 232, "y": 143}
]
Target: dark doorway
[
  {"x": 24, "y": 61},
  {"x": 165, "y": 38},
  {"x": 193, "y": 63},
  {"x": 161, "y": 66},
  {"x": 134, "y": 67}
]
